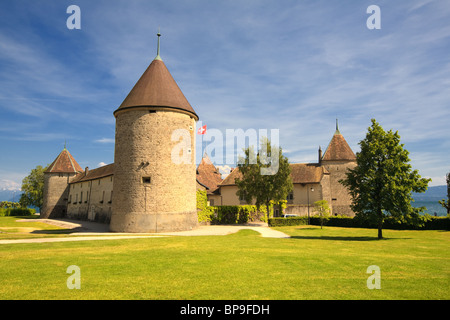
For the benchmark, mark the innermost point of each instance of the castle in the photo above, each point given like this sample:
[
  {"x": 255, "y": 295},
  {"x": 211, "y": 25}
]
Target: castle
[
  {"x": 311, "y": 181},
  {"x": 144, "y": 190}
]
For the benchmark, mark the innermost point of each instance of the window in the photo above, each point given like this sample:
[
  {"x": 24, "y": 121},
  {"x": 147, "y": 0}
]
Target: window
[
  {"x": 290, "y": 196},
  {"x": 110, "y": 197},
  {"x": 81, "y": 197},
  {"x": 146, "y": 180},
  {"x": 103, "y": 197}
]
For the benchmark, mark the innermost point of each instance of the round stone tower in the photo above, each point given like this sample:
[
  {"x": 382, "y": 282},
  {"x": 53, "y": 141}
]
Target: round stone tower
[
  {"x": 155, "y": 174},
  {"x": 56, "y": 185}
]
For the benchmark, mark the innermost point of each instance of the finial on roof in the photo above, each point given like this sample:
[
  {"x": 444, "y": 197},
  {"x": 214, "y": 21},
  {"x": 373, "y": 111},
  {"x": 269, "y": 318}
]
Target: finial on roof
[
  {"x": 158, "y": 57},
  {"x": 337, "y": 127},
  {"x": 65, "y": 145}
]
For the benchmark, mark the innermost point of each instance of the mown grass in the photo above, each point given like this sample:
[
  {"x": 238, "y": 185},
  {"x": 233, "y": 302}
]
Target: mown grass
[
  {"x": 28, "y": 227},
  {"x": 313, "y": 264}
]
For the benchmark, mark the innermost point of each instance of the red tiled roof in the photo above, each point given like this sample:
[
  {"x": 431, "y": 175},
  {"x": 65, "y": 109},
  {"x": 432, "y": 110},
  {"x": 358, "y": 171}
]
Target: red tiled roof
[
  {"x": 97, "y": 173},
  {"x": 64, "y": 163},
  {"x": 208, "y": 175},
  {"x": 338, "y": 149}
]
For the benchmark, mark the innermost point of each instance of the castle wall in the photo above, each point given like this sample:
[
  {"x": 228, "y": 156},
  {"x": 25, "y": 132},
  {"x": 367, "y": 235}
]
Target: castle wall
[
  {"x": 55, "y": 195},
  {"x": 91, "y": 200},
  {"x": 152, "y": 193},
  {"x": 340, "y": 197}
]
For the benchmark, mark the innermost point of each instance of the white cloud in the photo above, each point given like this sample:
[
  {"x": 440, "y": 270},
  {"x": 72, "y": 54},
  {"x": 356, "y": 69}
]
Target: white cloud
[
  {"x": 9, "y": 185},
  {"x": 101, "y": 164},
  {"x": 105, "y": 140}
]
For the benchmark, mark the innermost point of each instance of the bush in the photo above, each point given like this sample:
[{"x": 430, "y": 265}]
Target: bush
[
  {"x": 16, "y": 212},
  {"x": 238, "y": 214},
  {"x": 204, "y": 211},
  {"x": 427, "y": 222},
  {"x": 290, "y": 221}
]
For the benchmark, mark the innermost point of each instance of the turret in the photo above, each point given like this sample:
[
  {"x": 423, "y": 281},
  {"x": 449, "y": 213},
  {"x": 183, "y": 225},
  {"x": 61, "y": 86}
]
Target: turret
[
  {"x": 153, "y": 192},
  {"x": 56, "y": 182}
]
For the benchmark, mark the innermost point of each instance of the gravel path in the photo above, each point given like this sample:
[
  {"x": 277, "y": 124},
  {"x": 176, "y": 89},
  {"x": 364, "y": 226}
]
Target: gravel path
[{"x": 86, "y": 230}]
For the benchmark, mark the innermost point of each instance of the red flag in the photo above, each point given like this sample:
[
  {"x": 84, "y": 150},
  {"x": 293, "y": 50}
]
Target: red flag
[{"x": 202, "y": 130}]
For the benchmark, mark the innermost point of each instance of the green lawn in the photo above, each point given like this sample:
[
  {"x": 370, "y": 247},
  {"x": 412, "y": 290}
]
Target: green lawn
[{"x": 313, "y": 264}]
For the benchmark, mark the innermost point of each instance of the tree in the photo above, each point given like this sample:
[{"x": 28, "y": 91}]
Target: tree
[
  {"x": 382, "y": 182},
  {"x": 266, "y": 175},
  {"x": 33, "y": 188},
  {"x": 443, "y": 202},
  {"x": 322, "y": 208}
]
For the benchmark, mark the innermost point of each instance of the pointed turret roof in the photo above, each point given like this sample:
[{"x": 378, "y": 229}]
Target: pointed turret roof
[
  {"x": 64, "y": 163},
  {"x": 338, "y": 149},
  {"x": 157, "y": 89}
]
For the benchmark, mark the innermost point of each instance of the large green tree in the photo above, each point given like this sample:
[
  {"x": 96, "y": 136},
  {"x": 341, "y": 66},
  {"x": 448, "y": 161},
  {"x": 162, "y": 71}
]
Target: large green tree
[
  {"x": 33, "y": 188},
  {"x": 265, "y": 175},
  {"x": 382, "y": 183}
]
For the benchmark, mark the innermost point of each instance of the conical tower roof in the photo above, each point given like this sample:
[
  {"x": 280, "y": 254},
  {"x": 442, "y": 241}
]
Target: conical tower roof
[
  {"x": 157, "y": 89},
  {"x": 64, "y": 163},
  {"x": 338, "y": 149}
]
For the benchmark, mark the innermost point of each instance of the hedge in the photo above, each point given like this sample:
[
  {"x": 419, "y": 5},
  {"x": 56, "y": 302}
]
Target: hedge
[
  {"x": 16, "y": 212},
  {"x": 290, "y": 221},
  {"x": 428, "y": 223},
  {"x": 237, "y": 214}
]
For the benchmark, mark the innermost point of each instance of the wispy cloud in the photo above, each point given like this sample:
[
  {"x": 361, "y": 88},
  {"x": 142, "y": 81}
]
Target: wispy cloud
[
  {"x": 295, "y": 66},
  {"x": 105, "y": 140}
]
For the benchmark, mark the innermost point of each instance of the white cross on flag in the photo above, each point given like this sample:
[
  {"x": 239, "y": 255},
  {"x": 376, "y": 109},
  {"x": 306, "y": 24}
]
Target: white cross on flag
[{"x": 202, "y": 130}]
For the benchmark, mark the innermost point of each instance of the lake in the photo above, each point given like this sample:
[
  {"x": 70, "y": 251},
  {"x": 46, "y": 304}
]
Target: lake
[{"x": 432, "y": 207}]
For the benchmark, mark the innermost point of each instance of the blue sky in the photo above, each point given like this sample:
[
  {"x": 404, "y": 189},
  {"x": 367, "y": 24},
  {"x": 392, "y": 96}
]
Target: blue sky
[{"x": 295, "y": 66}]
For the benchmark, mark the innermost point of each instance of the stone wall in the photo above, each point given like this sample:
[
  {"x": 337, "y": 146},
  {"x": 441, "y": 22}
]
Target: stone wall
[
  {"x": 340, "y": 197},
  {"x": 91, "y": 200},
  {"x": 153, "y": 193},
  {"x": 55, "y": 195}
]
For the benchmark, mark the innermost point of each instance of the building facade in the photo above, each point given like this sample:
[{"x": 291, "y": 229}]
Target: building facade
[{"x": 311, "y": 182}]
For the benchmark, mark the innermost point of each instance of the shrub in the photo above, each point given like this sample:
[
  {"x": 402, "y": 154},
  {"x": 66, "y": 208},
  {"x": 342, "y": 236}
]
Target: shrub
[
  {"x": 290, "y": 221},
  {"x": 238, "y": 214},
  {"x": 204, "y": 211},
  {"x": 16, "y": 212},
  {"x": 427, "y": 222}
]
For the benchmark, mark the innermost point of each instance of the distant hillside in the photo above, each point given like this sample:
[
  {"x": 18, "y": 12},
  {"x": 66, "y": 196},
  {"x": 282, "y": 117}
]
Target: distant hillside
[
  {"x": 432, "y": 194},
  {"x": 9, "y": 195}
]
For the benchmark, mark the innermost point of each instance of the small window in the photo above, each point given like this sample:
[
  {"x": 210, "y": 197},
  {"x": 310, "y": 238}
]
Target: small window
[{"x": 146, "y": 180}]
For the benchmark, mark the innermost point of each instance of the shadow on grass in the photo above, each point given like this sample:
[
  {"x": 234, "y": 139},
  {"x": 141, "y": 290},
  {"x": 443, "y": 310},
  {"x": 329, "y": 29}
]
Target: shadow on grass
[
  {"x": 336, "y": 238},
  {"x": 58, "y": 231}
]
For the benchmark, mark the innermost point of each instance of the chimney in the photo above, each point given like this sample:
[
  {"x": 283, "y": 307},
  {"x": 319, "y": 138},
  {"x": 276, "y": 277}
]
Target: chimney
[
  {"x": 86, "y": 171},
  {"x": 320, "y": 155}
]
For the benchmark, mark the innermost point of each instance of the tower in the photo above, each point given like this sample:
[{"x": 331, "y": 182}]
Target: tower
[
  {"x": 153, "y": 190},
  {"x": 337, "y": 159},
  {"x": 56, "y": 183}
]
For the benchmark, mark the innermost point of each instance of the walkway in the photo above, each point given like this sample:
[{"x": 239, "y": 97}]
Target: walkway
[{"x": 87, "y": 230}]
